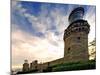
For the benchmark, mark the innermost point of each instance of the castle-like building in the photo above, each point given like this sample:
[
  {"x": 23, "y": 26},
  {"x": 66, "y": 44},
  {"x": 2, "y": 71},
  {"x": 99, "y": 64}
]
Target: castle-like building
[
  {"x": 76, "y": 37},
  {"x": 75, "y": 42}
]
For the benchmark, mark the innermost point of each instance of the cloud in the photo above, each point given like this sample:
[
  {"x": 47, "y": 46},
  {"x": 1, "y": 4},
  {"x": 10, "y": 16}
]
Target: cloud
[
  {"x": 91, "y": 18},
  {"x": 26, "y": 46},
  {"x": 49, "y": 20}
]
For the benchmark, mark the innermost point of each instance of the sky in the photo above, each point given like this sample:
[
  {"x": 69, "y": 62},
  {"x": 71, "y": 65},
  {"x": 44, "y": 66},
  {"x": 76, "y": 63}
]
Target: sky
[{"x": 37, "y": 30}]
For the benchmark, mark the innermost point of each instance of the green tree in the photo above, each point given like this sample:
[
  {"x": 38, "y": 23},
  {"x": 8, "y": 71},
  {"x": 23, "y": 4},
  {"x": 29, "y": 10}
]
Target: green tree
[{"x": 92, "y": 45}]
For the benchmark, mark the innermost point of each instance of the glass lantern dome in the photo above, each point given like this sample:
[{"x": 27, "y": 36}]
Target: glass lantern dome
[{"x": 76, "y": 14}]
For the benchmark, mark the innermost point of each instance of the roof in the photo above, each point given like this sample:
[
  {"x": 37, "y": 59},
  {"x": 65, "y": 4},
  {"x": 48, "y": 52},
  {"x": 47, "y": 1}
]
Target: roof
[{"x": 76, "y": 9}]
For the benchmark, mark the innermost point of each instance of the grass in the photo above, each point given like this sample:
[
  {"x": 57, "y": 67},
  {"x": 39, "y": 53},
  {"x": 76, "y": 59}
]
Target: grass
[{"x": 75, "y": 66}]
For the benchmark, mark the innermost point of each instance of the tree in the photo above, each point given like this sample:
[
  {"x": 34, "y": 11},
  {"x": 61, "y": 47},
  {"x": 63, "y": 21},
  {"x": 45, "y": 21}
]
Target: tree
[{"x": 92, "y": 49}]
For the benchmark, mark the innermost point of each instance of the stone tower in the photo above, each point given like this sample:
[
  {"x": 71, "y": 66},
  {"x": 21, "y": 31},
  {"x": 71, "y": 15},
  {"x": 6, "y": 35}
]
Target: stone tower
[
  {"x": 76, "y": 37},
  {"x": 34, "y": 65},
  {"x": 25, "y": 66}
]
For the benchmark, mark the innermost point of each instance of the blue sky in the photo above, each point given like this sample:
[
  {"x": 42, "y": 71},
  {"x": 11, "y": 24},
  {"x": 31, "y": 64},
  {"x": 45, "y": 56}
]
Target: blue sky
[{"x": 37, "y": 30}]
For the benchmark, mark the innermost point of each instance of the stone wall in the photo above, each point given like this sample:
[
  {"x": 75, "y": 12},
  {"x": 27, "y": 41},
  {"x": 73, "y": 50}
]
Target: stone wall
[
  {"x": 76, "y": 47},
  {"x": 48, "y": 64},
  {"x": 76, "y": 41}
]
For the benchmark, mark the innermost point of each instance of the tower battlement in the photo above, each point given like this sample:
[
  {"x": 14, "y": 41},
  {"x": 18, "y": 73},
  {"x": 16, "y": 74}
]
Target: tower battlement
[{"x": 77, "y": 26}]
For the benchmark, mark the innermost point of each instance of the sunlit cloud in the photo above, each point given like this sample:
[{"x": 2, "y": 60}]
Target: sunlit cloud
[
  {"x": 34, "y": 48},
  {"x": 91, "y": 17}
]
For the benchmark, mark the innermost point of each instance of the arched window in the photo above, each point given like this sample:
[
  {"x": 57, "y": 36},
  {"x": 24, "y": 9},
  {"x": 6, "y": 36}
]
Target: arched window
[
  {"x": 78, "y": 38},
  {"x": 79, "y": 29},
  {"x": 69, "y": 50}
]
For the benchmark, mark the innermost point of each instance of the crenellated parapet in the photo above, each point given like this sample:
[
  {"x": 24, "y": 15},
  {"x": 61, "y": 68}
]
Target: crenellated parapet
[{"x": 77, "y": 26}]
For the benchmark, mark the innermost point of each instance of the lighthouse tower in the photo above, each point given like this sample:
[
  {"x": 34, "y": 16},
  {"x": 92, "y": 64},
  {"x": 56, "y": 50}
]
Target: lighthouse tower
[{"x": 76, "y": 37}]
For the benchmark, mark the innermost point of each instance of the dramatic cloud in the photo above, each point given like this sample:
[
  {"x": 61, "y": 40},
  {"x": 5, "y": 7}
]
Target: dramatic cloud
[
  {"x": 91, "y": 17},
  {"x": 38, "y": 28},
  {"x": 25, "y": 46}
]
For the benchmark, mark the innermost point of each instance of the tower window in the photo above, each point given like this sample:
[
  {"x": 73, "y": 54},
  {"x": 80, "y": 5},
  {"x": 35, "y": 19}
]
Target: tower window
[
  {"x": 83, "y": 28},
  {"x": 76, "y": 29},
  {"x": 78, "y": 38},
  {"x": 79, "y": 29},
  {"x": 35, "y": 67},
  {"x": 68, "y": 49}
]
